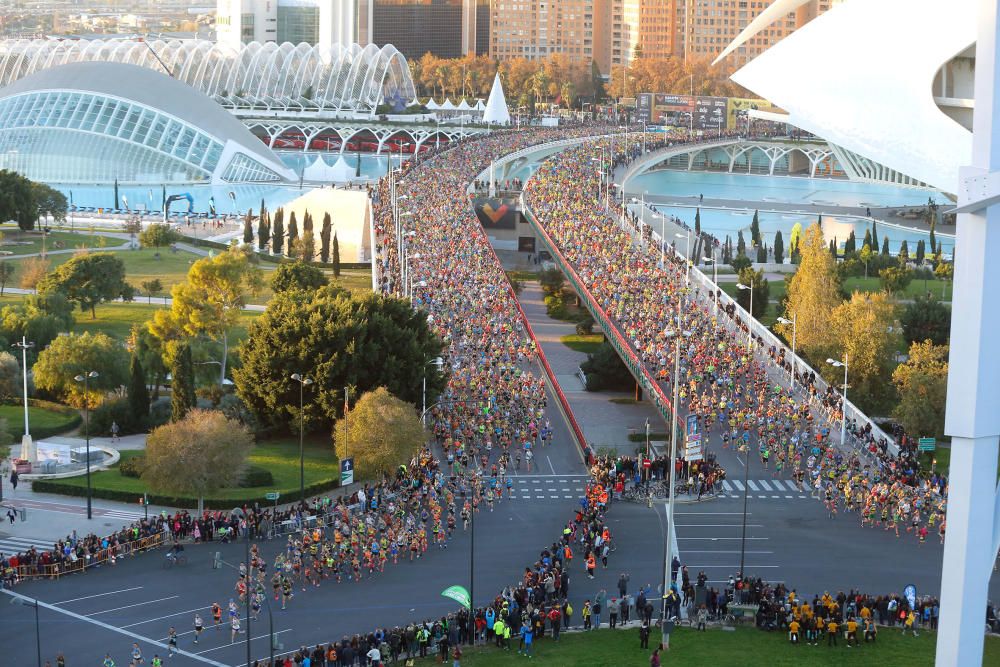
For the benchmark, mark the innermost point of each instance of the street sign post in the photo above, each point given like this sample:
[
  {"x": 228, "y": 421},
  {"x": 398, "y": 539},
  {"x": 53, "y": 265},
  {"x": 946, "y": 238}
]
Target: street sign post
[
  {"x": 926, "y": 444},
  {"x": 347, "y": 471},
  {"x": 273, "y": 496}
]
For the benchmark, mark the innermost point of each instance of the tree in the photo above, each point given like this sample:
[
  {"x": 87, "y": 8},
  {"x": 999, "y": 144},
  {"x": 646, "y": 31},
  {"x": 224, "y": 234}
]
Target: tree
[
  {"x": 33, "y": 270},
  {"x": 813, "y": 293},
  {"x": 874, "y": 242},
  {"x": 138, "y": 392},
  {"x": 761, "y": 254},
  {"x": 182, "y": 394},
  {"x": 761, "y": 291},
  {"x": 741, "y": 245},
  {"x": 324, "y": 238},
  {"x": 932, "y": 240},
  {"x": 49, "y": 201},
  {"x": 88, "y": 280},
  {"x": 862, "y": 327},
  {"x": 755, "y": 228},
  {"x": 921, "y": 251},
  {"x": 6, "y": 273},
  {"x": 381, "y": 432},
  {"x": 263, "y": 230},
  {"x": 158, "y": 235},
  {"x": 605, "y": 371},
  {"x": 18, "y": 200},
  {"x": 850, "y": 245},
  {"x": 278, "y": 235},
  {"x": 926, "y": 319},
  {"x": 151, "y": 352},
  {"x": 895, "y": 279},
  {"x": 151, "y": 287},
  {"x": 740, "y": 262},
  {"x": 833, "y": 248},
  {"x": 779, "y": 248},
  {"x": 297, "y": 276},
  {"x": 922, "y": 384},
  {"x": 336, "y": 256},
  {"x": 697, "y": 221},
  {"x": 308, "y": 239},
  {"x": 366, "y": 341},
  {"x": 866, "y": 255},
  {"x": 885, "y": 246},
  {"x": 10, "y": 377},
  {"x": 76, "y": 354},
  {"x": 904, "y": 252},
  {"x": 199, "y": 454},
  {"x": 38, "y": 318},
  {"x": 248, "y": 228},
  {"x": 293, "y": 233},
  {"x": 944, "y": 271}
]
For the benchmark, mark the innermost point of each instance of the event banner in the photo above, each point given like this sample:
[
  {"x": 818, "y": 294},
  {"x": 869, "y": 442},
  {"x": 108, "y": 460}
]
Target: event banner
[
  {"x": 497, "y": 213},
  {"x": 707, "y": 113}
]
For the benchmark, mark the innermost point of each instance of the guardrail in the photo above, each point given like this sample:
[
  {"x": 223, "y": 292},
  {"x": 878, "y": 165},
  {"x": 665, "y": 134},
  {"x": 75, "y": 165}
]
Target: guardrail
[{"x": 109, "y": 555}]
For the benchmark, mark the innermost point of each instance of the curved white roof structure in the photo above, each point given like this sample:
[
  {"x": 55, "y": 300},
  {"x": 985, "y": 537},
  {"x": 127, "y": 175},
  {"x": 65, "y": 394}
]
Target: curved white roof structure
[
  {"x": 98, "y": 121},
  {"x": 876, "y": 101},
  {"x": 496, "y": 106},
  {"x": 259, "y": 76}
]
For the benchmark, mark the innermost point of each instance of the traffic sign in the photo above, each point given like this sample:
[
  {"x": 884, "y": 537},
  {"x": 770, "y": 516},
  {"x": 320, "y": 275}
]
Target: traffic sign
[
  {"x": 347, "y": 472},
  {"x": 272, "y": 495},
  {"x": 646, "y": 463},
  {"x": 926, "y": 444}
]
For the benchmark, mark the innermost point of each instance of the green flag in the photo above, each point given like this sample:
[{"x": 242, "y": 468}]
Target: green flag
[{"x": 458, "y": 594}]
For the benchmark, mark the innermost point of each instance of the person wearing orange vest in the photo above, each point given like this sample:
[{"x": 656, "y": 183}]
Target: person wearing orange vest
[{"x": 591, "y": 565}]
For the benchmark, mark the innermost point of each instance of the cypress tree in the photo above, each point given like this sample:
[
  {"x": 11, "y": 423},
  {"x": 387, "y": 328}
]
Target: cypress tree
[
  {"x": 324, "y": 239},
  {"x": 741, "y": 245},
  {"x": 755, "y": 228},
  {"x": 263, "y": 231},
  {"x": 182, "y": 396},
  {"x": 868, "y": 239},
  {"x": 336, "y": 256},
  {"x": 885, "y": 246},
  {"x": 138, "y": 392},
  {"x": 727, "y": 250},
  {"x": 293, "y": 233},
  {"x": 248, "y": 228},
  {"x": 308, "y": 240},
  {"x": 904, "y": 252},
  {"x": 920, "y": 252},
  {"x": 874, "y": 236},
  {"x": 833, "y": 248},
  {"x": 779, "y": 248},
  {"x": 278, "y": 235},
  {"x": 933, "y": 244},
  {"x": 850, "y": 245},
  {"x": 761, "y": 254},
  {"x": 697, "y": 221}
]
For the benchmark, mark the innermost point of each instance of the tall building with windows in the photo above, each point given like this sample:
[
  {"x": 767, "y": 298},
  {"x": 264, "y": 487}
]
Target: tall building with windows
[
  {"x": 446, "y": 28},
  {"x": 323, "y": 22},
  {"x": 539, "y": 28}
]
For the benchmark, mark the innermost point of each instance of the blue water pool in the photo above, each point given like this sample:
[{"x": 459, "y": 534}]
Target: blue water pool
[
  {"x": 780, "y": 189},
  {"x": 723, "y": 222}
]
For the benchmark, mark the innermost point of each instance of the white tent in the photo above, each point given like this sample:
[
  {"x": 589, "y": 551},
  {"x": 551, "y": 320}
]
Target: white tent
[
  {"x": 479, "y": 106},
  {"x": 431, "y": 104},
  {"x": 448, "y": 105},
  {"x": 463, "y": 106},
  {"x": 319, "y": 171},
  {"x": 496, "y": 105}
]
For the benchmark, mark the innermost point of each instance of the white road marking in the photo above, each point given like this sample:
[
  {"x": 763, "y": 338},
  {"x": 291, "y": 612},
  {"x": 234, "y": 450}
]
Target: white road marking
[
  {"x": 108, "y": 626},
  {"x": 242, "y": 641},
  {"x": 129, "y": 606},
  {"x": 753, "y": 487},
  {"x": 97, "y": 595},
  {"x": 764, "y": 484},
  {"x": 719, "y": 525},
  {"x": 160, "y": 618},
  {"x": 722, "y": 538},
  {"x": 551, "y": 467},
  {"x": 738, "y": 485}
]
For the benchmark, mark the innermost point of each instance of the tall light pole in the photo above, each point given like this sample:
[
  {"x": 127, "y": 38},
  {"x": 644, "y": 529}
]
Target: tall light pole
[
  {"x": 750, "y": 313},
  {"x": 794, "y": 323},
  {"x": 843, "y": 409},
  {"x": 85, "y": 379},
  {"x": 32, "y": 602},
  {"x": 687, "y": 257},
  {"x": 303, "y": 383},
  {"x": 715, "y": 278},
  {"x": 674, "y": 426},
  {"x": 26, "y": 444},
  {"x": 436, "y": 361}
]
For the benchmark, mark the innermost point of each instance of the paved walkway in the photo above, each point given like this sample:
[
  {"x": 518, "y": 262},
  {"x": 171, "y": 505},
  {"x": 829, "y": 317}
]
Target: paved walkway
[{"x": 604, "y": 424}]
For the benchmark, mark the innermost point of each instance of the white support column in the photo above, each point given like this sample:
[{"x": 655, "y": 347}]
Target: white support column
[{"x": 974, "y": 380}]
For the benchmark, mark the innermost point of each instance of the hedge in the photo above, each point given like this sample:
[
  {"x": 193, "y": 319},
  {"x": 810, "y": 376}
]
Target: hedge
[
  {"x": 274, "y": 259},
  {"x": 183, "y": 502}
]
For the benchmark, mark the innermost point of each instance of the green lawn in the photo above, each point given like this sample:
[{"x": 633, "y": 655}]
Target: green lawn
[
  {"x": 17, "y": 242},
  {"x": 777, "y": 292},
  {"x": 917, "y": 287},
  {"x": 140, "y": 265},
  {"x": 746, "y": 647},
  {"x": 280, "y": 456},
  {"x": 587, "y": 343},
  {"x": 42, "y": 420},
  {"x": 355, "y": 280}
]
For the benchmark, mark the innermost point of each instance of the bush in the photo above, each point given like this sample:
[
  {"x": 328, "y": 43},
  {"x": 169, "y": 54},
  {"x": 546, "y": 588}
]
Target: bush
[
  {"x": 604, "y": 370},
  {"x": 585, "y": 327},
  {"x": 159, "y": 413},
  {"x": 252, "y": 496},
  {"x": 115, "y": 410},
  {"x": 132, "y": 466},
  {"x": 158, "y": 235},
  {"x": 256, "y": 476}
]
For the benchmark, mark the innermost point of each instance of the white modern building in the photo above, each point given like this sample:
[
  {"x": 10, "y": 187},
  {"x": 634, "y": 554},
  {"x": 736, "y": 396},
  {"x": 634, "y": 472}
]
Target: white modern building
[{"x": 315, "y": 22}]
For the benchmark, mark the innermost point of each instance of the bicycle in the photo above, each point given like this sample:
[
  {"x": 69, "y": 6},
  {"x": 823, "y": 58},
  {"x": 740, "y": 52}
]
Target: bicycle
[{"x": 174, "y": 559}]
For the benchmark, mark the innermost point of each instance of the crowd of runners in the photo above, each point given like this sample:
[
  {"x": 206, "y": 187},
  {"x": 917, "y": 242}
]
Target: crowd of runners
[{"x": 737, "y": 398}]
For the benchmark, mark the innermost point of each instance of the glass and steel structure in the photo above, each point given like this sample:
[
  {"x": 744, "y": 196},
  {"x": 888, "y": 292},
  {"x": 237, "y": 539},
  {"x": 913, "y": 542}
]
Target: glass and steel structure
[
  {"x": 266, "y": 76},
  {"x": 101, "y": 122}
]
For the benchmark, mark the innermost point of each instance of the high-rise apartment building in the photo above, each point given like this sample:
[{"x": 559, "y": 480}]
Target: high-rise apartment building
[
  {"x": 706, "y": 27},
  {"x": 640, "y": 28},
  {"x": 539, "y": 28},
  {"x": 310, "y": 21},
  {"x": 446, "y": 28}
]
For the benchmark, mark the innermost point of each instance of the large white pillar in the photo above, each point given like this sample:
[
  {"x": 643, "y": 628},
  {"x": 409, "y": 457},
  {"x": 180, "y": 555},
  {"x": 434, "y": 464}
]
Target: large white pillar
[{"x": 972, "y": 418}]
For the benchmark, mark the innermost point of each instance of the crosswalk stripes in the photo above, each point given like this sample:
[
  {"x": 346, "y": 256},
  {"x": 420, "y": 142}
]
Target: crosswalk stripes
[
  {"x": 547, "y": 487},
  {"x": 763, "y": 489},
  {"x": 121, "y": 514},
  {"x": 13, "y": 545}
]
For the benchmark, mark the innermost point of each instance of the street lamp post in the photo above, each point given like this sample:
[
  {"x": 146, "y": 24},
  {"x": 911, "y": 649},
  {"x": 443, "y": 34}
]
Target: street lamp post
[
  {"x": 843, "y": 408},
  {"x": 715, "y": 277},
  {"x": 668, "y": 575},
  {"x": 85, "y": 379},
  {"x": 303, "y": 382},
  {"x": 687, "y": 257},
  {"x": 794, "y": 323},
  {"x": 32, "y": 602},
  {"x": 746, "y": 477},
  {"x": 750, "y": 313},
  {"x": 436, "y": 361}
]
